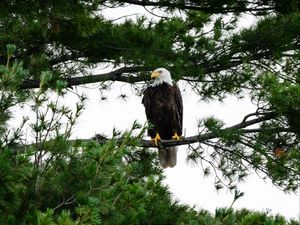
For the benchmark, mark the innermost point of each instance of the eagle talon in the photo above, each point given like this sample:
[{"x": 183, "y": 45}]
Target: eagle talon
[
  {"x": 176, "y": 137},
  {"x": 156, "y": 139}
]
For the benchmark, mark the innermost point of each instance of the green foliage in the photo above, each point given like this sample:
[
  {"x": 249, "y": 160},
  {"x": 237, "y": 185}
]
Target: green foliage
[
  {"x": 243, "y": 217},
  {"x": 15, "y": 173},
  {"x": 56, "y": 181},
  {"x": 283, "y": 96},
  {"x": 93, "y": 185},
  {"x": 68, "y": 38},
  {"x": 213, "y": 124},
  {"x": 12, "y": 74}
]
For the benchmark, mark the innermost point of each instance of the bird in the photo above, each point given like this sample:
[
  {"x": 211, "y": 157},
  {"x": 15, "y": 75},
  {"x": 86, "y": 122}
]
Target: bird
[{"x": 164, "y": 111}]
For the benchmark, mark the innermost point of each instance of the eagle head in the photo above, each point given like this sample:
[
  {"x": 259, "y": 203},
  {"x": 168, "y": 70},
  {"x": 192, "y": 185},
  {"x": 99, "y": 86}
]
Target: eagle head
[{"x": 161, "y": 75}]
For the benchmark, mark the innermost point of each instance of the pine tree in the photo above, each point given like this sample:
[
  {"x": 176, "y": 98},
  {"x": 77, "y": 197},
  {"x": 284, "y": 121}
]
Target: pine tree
[{"x": 46, "y": 47}]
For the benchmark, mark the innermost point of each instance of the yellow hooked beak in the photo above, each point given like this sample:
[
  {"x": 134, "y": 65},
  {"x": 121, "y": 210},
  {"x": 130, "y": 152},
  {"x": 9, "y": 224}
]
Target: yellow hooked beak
[{"x": 155, "y": 74}]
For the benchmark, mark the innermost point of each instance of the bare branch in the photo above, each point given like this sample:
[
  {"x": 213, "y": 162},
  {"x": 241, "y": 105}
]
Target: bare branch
[{"x": 64, "y": 202}]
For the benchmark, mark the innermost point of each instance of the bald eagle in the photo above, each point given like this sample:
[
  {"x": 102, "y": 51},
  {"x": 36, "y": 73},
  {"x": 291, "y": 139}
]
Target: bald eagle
[{"x": 163, "y": 106}]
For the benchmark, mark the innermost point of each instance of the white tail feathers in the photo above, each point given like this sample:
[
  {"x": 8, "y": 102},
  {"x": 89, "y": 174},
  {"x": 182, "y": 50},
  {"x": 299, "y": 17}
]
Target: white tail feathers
[{"x": 167, "y": 156}]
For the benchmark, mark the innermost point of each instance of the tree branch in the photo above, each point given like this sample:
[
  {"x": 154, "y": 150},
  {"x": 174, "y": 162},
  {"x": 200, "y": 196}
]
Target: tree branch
[
  {"x": 116, "y": 75},
  {"x": 207, "y": 136},
  {"x": 207, "y": 9},
  {"x": 187, "y": 140},
  {"x": 211, "y": 135},
  {"x": 122, "y": 75}
]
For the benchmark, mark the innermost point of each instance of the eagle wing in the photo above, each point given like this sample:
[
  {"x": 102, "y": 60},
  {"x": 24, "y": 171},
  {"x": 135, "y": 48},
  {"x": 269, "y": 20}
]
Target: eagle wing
[
  {"x": 178, "y": 110},
  {"x": 164, "y": 110},
  {"x": 148, "y": 109}
]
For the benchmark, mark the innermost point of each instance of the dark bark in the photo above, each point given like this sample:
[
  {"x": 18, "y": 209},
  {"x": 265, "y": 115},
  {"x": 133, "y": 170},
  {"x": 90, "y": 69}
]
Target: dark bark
[
  {"x": 123, "y": 75},
  {"x": 116, "y": 75}
]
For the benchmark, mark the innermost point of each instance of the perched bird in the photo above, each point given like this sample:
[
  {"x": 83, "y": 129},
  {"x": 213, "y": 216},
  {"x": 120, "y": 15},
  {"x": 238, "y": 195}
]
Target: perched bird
[{"x": 164, "y": 111}]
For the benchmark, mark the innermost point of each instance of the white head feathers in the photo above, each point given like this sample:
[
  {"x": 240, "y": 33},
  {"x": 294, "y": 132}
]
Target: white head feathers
[{"x": 161, "y": 75}]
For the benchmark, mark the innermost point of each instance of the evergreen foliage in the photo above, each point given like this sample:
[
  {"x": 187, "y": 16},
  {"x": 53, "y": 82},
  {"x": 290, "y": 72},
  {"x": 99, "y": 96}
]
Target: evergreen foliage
[{"x": 52, "y": 45}]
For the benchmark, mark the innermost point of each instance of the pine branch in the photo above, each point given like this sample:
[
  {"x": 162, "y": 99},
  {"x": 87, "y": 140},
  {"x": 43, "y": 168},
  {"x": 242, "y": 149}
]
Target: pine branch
[
  {"x": 211, "y": 135},
  {"x": 116, "y": 75},
  {"x": 187, "y": 140},
  {"x": 206, "y": 136},
  {"x": 207, "y": 9},
  {"x": 123, "y": 75}
]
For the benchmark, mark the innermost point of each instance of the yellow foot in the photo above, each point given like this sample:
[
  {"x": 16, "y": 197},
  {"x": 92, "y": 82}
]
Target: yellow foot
[
  {"x": 156, "y": 139},
  {"x": 176, "y": 137}
]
